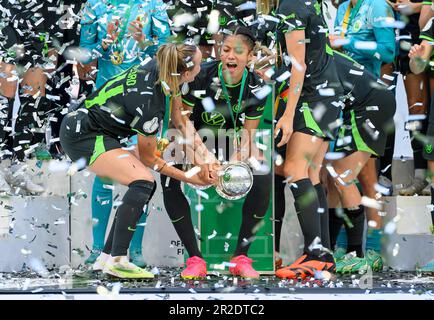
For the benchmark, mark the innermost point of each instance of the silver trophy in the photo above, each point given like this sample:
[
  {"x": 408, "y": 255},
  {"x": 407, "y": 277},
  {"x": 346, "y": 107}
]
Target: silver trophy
[{"x": 234, "y": 181}]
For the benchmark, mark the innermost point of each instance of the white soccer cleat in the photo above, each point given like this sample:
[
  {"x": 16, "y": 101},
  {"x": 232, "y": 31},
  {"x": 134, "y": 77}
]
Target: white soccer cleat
[
  {"x": 100, "y": 262},
  {"x": 120, "y": 267}
]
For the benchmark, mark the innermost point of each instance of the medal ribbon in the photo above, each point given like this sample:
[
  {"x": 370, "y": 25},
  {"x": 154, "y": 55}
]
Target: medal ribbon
[{"x": 228, "y": 101}]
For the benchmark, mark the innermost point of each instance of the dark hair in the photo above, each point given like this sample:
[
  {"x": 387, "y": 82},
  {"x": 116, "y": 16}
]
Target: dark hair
[{"x": 245, "y": 33}]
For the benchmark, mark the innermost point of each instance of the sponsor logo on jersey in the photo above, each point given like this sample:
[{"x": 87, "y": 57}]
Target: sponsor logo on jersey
[
  {"x": 357, "y": 25},
  {"x": 132, "y": 77},
  {"x": 213, "y": 118},
  {"x": 236, "y": 109}
]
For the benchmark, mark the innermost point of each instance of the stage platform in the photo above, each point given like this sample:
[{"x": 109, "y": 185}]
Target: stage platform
[
  {"x": 52, "y": 235},
  {"x": 82, "y": 284}
]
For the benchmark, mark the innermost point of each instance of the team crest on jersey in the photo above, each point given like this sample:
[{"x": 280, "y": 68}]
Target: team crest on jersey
[
  {"x": 357, "y": 25},
  {"x": 428, "y": 148},
  {"x": 236, "y": 109},
  {"x": 151, "y": 125},
  {"x": 213, "y": 118},
  {"x": 223, "y": 20}
]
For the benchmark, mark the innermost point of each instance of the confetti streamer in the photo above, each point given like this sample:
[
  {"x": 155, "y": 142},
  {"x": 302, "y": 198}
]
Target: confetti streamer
[
  {"x": 208, "y": 104},
  {"x": 192, "y": 172},
  {"x": 365, "y": 45},
  {"x": 371, "y": 203},
  {"x": 211, "y": 236}
]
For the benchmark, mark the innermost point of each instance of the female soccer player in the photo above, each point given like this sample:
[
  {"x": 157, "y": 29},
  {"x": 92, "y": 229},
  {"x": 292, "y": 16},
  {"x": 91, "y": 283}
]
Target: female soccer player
[
  {"x": 134, "y": 102},
  {"x": 309, "y": 120},
  {"x": 119, "y": 34},
  {"x": 229, "y": 85}
]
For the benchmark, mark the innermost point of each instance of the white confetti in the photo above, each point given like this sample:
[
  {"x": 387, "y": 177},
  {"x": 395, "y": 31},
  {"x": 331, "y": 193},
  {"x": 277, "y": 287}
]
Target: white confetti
[
  {"x": 328, "y": 92},
  {"x": 283, "y": 76},
  {"x": 269, "y": 73},
  {"x": 165, "y": 85},
  {"x": 340, "y": 42},
  {"x": 296, "y": 64},
  {"x": 356, "y": 72},
  {"x": 383, "y": 190},
  {"x": 59, "y": 221},
  {"x": 372, "y": 224},
  {"x": 334, "y": 156},
  {"x": 213, "y": 25},
  {"x": 202, "y": 194},
  {"x": 208, "y": 104},
  {"x": 371, "y": 203},
  {"x": 390, "y": 227},
  {"x": 395, "y": 250},
  {"x": 262, "y": 93},
  {"x": 26, "y": 252},
  {"x": 192, "y": 172},
  {"x": 254, "y": 163},
  {"x": 365, "y": 45},
  {"x": 184, "y": 19},
  {"x": 211, "y": 236}
]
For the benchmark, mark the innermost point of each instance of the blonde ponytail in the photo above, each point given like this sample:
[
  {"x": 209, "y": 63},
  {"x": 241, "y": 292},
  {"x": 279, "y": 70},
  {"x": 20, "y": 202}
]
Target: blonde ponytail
[
  {"x": 173, "y": 60},
  {"x": 265, "y": 6}
]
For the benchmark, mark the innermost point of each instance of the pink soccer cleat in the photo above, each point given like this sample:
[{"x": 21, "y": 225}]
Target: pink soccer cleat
[
  {"x": 196, "y": 269},
  {"x": 243, "y": 267}
]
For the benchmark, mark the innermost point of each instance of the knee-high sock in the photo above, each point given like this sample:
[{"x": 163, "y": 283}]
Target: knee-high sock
[
  {"x": 102, "y": 200},
  {"x": 128, "y": 214},
  {"x": 178, "y": 209},
  {"x": 136, "y": 242},
  {"x": 387, "y": 158},
  {"x": 306, "y": 205},
  {"x": 355, "y": 233},
  {"x": 109, "y": 242},
  {"x": 324, "y": 215},
  {"x": 373, "y": 239},
  {"x": 342, "y": 240},
  {"x": 336, "y": 224},
  {"x": 432, "y": 203},
  {"x": 279, "y": 209},
  {"x": 417, "y": 146},
  {"x": 254, "y": 209}
]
